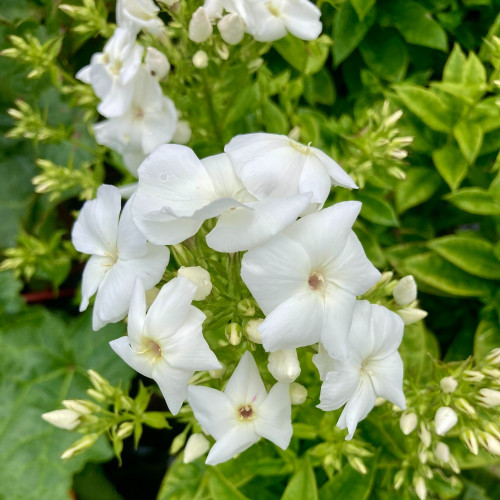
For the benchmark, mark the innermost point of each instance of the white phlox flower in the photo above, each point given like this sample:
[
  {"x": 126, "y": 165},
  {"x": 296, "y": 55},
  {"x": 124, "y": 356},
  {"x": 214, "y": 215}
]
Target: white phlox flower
[
  {"x": 284, "y": 365},
  {"x": 200, "y": 26},
  {"x": 156, "y": 63},
  {"x": 271, "y": 165},
  {"x": 231, "y": 28},
  {"x": 306, "y": 280},
  {"x": 166, "y": 343},
  {"x": 374, "y": 367},
  {"x": 270, "y": 20},
  {"x": 149, "y": 122},
  {"x": 137, "y": 15},
  {"x": 111, "y": 73},
  {"x": 177, "y": 192},
  {"x": 119, "y": 255},
  {"x": 242, "y": 414}
]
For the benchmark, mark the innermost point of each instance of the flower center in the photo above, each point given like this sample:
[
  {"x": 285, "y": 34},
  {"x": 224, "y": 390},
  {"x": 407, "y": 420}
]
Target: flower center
[
  {"x": 138, "y": 113},
  {"x": 273, "y": 10},
  {"x": 316, "y": 281},
  {"x": 112, "y": 258},
  {"x": 365, "y": 369},
  {"x": 300, "y": 147},
  {"x": 116, "y": 67},
  {"x": 151, "y": 349},
  {"x": 246, "y": 412}
]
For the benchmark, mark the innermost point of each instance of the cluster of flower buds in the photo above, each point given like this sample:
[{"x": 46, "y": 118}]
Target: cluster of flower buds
[{"x": 265, "y": 21}]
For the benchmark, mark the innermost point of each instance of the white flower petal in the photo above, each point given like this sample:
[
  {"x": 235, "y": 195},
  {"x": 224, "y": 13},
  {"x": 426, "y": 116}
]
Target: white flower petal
[
  {"x": 136, "y": 315},
  {"x": 94, "y": 272},
  {"x": 159, "y": 127},
  {"x": 245, "y": 385},
  {"x": 235, "y": 441},
  {"x": 276, "y": 271},
  {"x": 172, "y": 383},
  {"x": 274, "y": 416},
  {"x": 323, "y": 362},
  {"x": 315, "y": 179},
  {"x": 339, "y": 385},
  {"x": 387, "y": 378},
  {"x": 131, "y": 242},
  {"x": 301, "y": 19},
  {"x": 136, "y": 361}
]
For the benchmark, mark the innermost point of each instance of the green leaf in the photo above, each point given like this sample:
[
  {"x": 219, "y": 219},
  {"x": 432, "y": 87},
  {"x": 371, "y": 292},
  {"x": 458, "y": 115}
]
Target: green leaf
[
  {"x": 427, "y": 105},
  {"x": 303, "y": 485},
  {"x": 377, "y": 210},
  {"x": 10, "y": 287},
  {"x": 420, "y": 184},
  {"x": 220, "y": 488},
  {"x": 451, "y": 165},
  {"x": 362, "y": 7},
  {"x": 475, "y": 201},
  {"x": 274, "y": 119},
  {"x": 474, "y": 71},
  {"x": 384, "y": 52},
  {"x": 42, "y": 361},
  {"x": 473, "y": 255},
  {"x": 438, "y": 273},
  {"x": 466, "y": 460},
  {"x": 349, "y": 31},
  {"x": 416, "y": 25},
  {"x": 470, "y": 139},
  {"x": 319, "y": 88},
  {"x": 454, "y": 67},
  {"x": 486, "y": 338},
  {"x": 182, "y": 481},
  {"x": 348, "y": 485},
  {"x": 292, "y": 50},
  {"x": 317, "y": 52}
]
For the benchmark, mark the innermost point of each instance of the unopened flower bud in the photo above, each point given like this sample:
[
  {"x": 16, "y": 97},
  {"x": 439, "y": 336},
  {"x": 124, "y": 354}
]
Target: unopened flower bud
[
  {"x": 100, "y": 383},
  {"x": 294, "y": 134},
  {"x": 408, "y": 423},
  {"x": 411, "y": 315},
  {"x": 448, "y": 384},
  {"x": 423, "y": 456},
  {"x": 424, "y": 435},
  {"x": 98, "y": 396},
  {"x": 200, "y": 277},
  {"x": 493, "y": 357},
  {"x": 126, "y": 402},
  {"x": 442, "y": 452},
  {"x": 469, "y": 439},
  {"x": 493, "y": 373},
  {"x": 64, "y": 419},
  {"x": 81, "y": 406},
  {"x": 399, "y": 479},
  {"x": 231, "y": 28},
  {"x": 253, "y": 333},
  {"x": 157, "y": 63},
  {"x": 380, "y": 401},
  {"x": 357, "y": 464},
  {"x": 452, "y": 462},
  {"x": 222, "y": 51},
  {"x": 405, "y": 292},
  {"x": 255, "y": 64},
  {"x": 233, "y": 333},
  {"x": 298, "y": 393},
  {"x": 79, "y": 446},
  {"x": 246, "y": 307},
  {"x": 200, "y": 27},
  {"x": 151, "y": 295},
  {"x": 490, "y": 443},
  {"x": 196, "y": 446},
  {"x": 182, "y": 134},
  {"x": 200, "y": 59},
  {"x": 420, "y": 487},
  {"x": 217, "y": 373},
  {"x": 284, "y": 365},
  {"x": 445, "y": 419},
  {"x": 489, "y": 397},
  {"x": 492, "y": 429},
  {"x": 125, "y": 430},
  {"x": 473, "y": 376},
  {"x": 464, "y": 406}
]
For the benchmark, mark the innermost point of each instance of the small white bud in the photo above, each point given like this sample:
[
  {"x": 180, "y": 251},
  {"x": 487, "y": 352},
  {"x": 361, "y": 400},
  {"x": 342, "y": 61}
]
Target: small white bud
[
  {"x": 157, "y": 63},
  {"x": 79, "y": 446},
  {"x": 469, "y": 439},
  {"x": 490, "y": 443},
  {"x": 493, "y": 373},
  {"x": 200, "y": 27},
  {"x": 405, "y": 292},
  {"x": 442, "y": 452},
  {"x": 200, "y": 59},
  {"x": 284, "y": 365},
  {"x": 298, "y": 393},
  {"x": 399, "y": 479},
  {"x": 294, "y": 134},
  {"x": 463, "y": 405},
  {"x": 424, "y": 435},
  {"x": 489, "y": 397},
  {"x": 423, "y": 456},
  {"x": 420, "y": 487},
  {"x": 493, "y": 356},
  {"x": 196, "y": 446},
  {"x": 252, "y": 330},
  {"x": 380, "y": 401},
  {"x": 408, "y": 423},
  {"x": 492, "y": 429},
  {"x": 64, "y": 419},
  {"x": 448, "y": 384},
  {"x": 411, "y": 315},
  {"x": 80, "y": 406},
  {"x": 444, "y": 420},
  {"x": 217, "y": 373},
  {"x": 182, "y": 134},
  {"x": 231, "y": 28},
  {"x": 233, "y": 333},
  {"x": 200, "y": 277},
  {"x": 357, "y": 464},
  {"x": 473, "y": 376},
  {"x": 125, "y": 430}
]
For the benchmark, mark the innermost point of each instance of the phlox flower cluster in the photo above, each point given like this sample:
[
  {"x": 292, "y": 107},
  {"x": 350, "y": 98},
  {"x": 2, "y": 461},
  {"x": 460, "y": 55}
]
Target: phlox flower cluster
[
  {"x": 303, "y": 264},
  {"x": 264, "y": 20},
  {"x": 125, "y": 77}
]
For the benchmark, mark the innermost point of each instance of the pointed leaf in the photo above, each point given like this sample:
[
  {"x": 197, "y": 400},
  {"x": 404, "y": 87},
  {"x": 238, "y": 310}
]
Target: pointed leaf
[
  {"x": 420, "y": 184},
  {"x": 302, "y": 486},
  {"x": 475, "y": 201},
  {"x": 451, "y": 165},
  {"x": 470, "y": 139}
]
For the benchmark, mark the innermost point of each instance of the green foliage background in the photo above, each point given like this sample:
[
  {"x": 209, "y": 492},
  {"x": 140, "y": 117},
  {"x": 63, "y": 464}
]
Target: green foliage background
[{"x": 436, "y": 60}]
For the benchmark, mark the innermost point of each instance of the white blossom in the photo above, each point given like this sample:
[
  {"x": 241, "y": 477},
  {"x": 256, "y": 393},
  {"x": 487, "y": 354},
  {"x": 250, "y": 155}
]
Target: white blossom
[
  {"x": 442, "y": 452},
  {"x": 119, "y": 255},
  {"x": 166, "y": 343},
  {"x": 177, "y": 192},
  {"x": 306, "y": 280},
  {"x": 411, "y": 315},
  {"x": 149, "y": 122},
  {"x": 182, "y": 134},
  {"x": 231, "y": 28},
  {"x": 489, "y": 397},
  {"x": 156, "y": 63},
  {"x": 271, "y": 165},
  {"x": 64, "y": 419},
  {"x": 111, "y": 73},
  {"x": 284, "y": 365},
  {"x": 242, "y": 414},
  {"x": 137, "y": 15},
  {"x": 200, "y": 277},
  {"x": 373, "y": 369},
  {"x": 200, "y": 59},
  {"x": 196, "y": 446},
  {"x": 408, "y": 423},
  {"x": 405, "y": 292},
  {"x": 420, "y": 487},
  {"x": 200, "y": 27},
  {"x": 448, "y": 384},
  {"x": 298, "y": 393},
  {"x": 444, "y": 420}
]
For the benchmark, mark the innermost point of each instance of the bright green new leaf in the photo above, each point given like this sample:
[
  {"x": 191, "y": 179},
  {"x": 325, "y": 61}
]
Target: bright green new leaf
[
  {"x": 377, "y": 210},
  {"x": 451, "y": 164},
  {"x": 362, "y": 7},
  {"x": 427, "y": 105},
  {"x": 43, "y": 360},
  {"x": 292, "y": 50},
  {"x": 319, "y": 88},
  {"x": 438, "y": 273},
  {"x": 486, "y": 337},
  {"x": 317, "y": 51},
  {"x": 474, "y": 72},
  {"x": 470, "y": 139},
  {"x": 303, "y": 485},
  {"x": 274, "y": 119},
  {"x": 221, "y": 488},
  {"x": 454, "y": 67},
  {"x": 420, "y": 184},
  {"x": 349, "y": 31},
  {"x": 473, "y": 255},
  {"x": 475, "y": 201}
]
